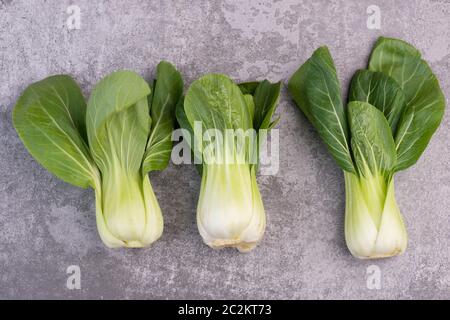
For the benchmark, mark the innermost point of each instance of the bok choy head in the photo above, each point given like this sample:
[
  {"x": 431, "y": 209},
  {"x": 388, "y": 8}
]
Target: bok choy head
[
  {"x": 110, "y": 144},
  {"x": 394, "y": 108},
  {"x": 225, "y": 120}
]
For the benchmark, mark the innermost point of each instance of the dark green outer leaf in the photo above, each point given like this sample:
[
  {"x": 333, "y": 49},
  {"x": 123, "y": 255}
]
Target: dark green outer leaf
[
  {"x": 391, "y": 49},
  {"x": 425, "y": 101},
  {"x": 381, "y": 91},
  {"x": 167, "y": 91},
  {"x": 184, "y": 124},
  {"x": 372, "y": 143},
  {"x": 266, "y": 98},
  {"x": 49, "y": 118},
  {"x": 315, "y": 88},
  {"x": 248, "y": 87}
]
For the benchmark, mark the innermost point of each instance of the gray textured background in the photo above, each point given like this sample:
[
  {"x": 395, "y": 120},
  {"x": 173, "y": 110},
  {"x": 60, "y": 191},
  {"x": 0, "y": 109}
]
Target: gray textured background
[{"x": 47, "y": 225}]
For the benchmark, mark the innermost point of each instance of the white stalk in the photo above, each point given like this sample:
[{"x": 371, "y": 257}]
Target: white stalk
[
  {"x": 374, "y": 226},
  {"x": 230, "y": 211},
  {"x": 127, "y": 211}
]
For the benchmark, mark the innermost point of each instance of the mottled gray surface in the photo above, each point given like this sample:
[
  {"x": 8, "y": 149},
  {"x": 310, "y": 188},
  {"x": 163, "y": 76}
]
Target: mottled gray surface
[{"x": 47, "y": 225}]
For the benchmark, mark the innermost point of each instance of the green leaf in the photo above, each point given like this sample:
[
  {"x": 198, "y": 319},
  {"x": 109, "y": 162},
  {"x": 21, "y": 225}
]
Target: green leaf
[
  {"x": 381, "y": 91},
  {"x": 250, "y": 105},
  {"x": 184, "y": 124},
  {"x": 248, "y": 87},
  {"x": 182, "y": 118},
  {"x": 425, "y": 101},
  {"x": 274, "y": 123},
  {"x": 49, "y": 118},
  {"x": 372, "y": 142},
  {"x": 392, "y": 50},
  {"x": 217, "y": 103},
  {"x": 315, "y": 88},
  {"x": 264, "y": 97},
  {"x": 167, "y": 91},
  {"x": 266, "y": 100},
  {"x": 118, "y": 121}
]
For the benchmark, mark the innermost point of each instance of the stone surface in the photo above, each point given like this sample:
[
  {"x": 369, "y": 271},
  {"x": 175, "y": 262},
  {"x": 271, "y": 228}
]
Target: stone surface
[{"x": 47, "y": 225}]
